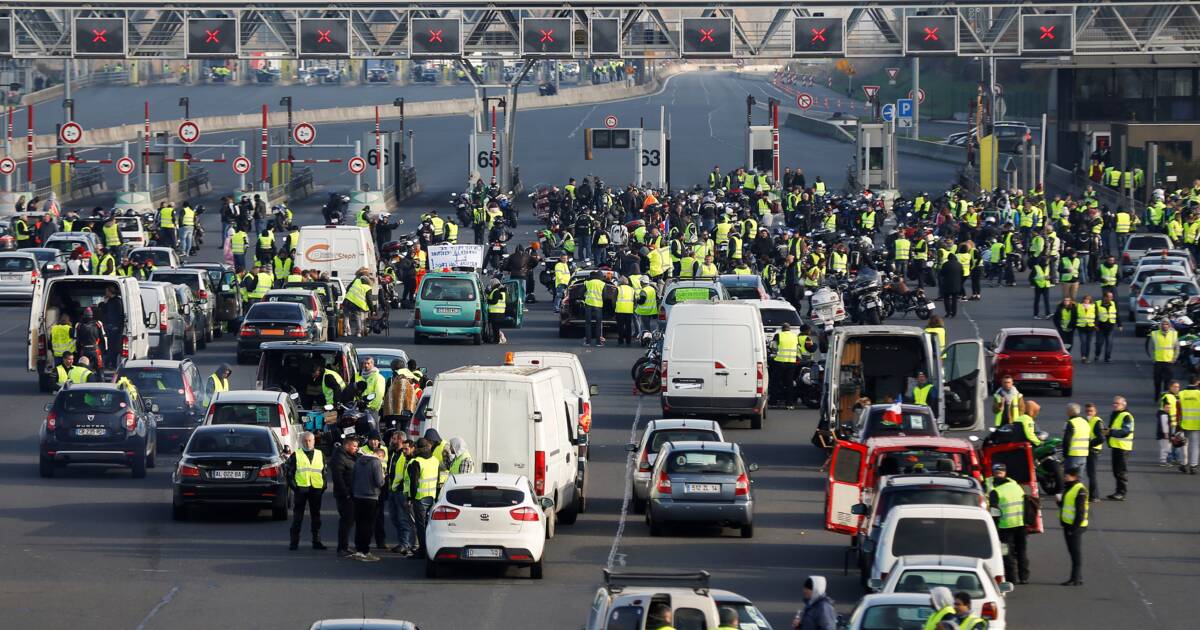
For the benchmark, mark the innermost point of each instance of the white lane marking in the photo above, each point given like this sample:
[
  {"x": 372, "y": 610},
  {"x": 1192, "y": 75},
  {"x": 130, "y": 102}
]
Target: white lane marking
[
  {"x": 1137, "y": 588},
  {"x": 972, "y": 320},
  {"x": 582, "y": 120},
  {"x": 613, "y": 554},
  {"x": 159, "y": 606},
  {"x": 12, "y": 328}
]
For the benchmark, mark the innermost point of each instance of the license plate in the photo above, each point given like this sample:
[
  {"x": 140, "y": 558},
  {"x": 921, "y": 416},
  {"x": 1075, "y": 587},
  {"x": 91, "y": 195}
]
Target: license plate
[
  {"x": 10, "y": 276},
  {"x": 89, "y": 431},
  {"x": 1034, "y": 376},
  {"x": 931, "y": 306},
  {"x": 689, "y": 384},
  {"x": 348, "y": 431},
  {"x": 447, "y": 310},
  {"x": 270, "y": 332},
  {"x": 704, "y": 488},
  {"x": 228, "y": 474},
  {"x": 483, "y": 553}
]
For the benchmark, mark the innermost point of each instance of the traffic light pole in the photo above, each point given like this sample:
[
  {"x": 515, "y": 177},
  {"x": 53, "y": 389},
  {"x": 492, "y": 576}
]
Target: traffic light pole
[{"x": 916, "y": 98}]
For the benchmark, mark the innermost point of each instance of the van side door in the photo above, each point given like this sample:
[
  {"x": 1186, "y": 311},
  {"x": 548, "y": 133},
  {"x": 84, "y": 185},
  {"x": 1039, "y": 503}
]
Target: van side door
[
  {"x": 965, "y": 386},
  {"x": 847, "y": 474}
]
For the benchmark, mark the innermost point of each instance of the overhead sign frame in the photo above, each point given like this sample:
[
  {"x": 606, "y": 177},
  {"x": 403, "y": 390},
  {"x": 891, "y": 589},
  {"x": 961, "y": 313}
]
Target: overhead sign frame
[
  {"x": 204, "y": 24},
  {"x": 1060, "y": 20},
  {"x": 328, "y": 37},
  {"x": 427, "y": 25},
  {"x": 695, "y": 33},
  {"x": 535, "y": 34},
  {"x": 838, "y": 35},
  {"x": 104, "y": 52},
  {"x": 605, "y": 23},
  {"x": 913, "y": 27}
]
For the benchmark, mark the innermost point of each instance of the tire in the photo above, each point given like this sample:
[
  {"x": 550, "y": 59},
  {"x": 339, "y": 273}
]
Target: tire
[
  {"x": 138, "y": 469},
  {"x": 637, "y": 368},
  {"x": 871, "y": 317},
  {"x": 656, "y": 529},
  {"x": 551, "y": 524},
  {"x": 1051, "y": 482},
  {"x": 189, "y": 344},
  {"x": 747, "y": 530},
  {"x": 279, "y": 513},
  {"x": 179, "y": 512},
  {"x": 638, "y": 505},
  {"x": 888, "y": 309},
  {"x": 477, "y": 339},
  {"x": 756, "y": 421},
  {"x": 418, "y": 338},
  {"x": 45, "y": 467},
  {"x": 1066, "y": 392},
  {"x": 535, "y": 570},
  {"x": 150, "y": 459},
  {"x": 431, "y": 569},
  {"x": 922, "y": 312},
  {"x": 649, "y": 382},
  {"x": 571, "y": 514}
]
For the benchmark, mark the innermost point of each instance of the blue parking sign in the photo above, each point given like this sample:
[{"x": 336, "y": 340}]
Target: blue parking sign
[{"x": 904, "y": 107}]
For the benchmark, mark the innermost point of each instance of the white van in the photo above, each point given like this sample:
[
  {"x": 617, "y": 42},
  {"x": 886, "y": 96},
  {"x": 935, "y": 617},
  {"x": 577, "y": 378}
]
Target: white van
[
  {"x": 937, "y": 530},
  {"x": 72, "y": 294},
  {"x": 518, "y": 418},
  {"x": 714, "y": 362},
  {"x": 337, "y": 250},
  {"x": 164, "y": 320}
]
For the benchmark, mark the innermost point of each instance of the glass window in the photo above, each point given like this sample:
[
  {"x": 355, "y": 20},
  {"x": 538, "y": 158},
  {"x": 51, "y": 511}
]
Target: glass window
[
  {"x": 1032, "y": 343},
  {"x": 450, "y": 289},
  {"x": 702, "y": 462},
  {"x": 891, "y": 617},
  {"x": 679, "y": 435},
  {"x": 192, "y": 280},
  {"x": 941, "y": 536},
  {"x": 690, "y": 294},
  {"x": 926, "y": 495},
  {"x": 742, "y": 292},
  {"x": 625, "y": 618},
  {"x": 779, "y": 316},
  {"x": 847, "y": 464},
  {"x": 223, "y": 441},
  {"x": 921, "y": 581},
  {"x": 1175, "y": 82},
  {"x": 1170, "y": 289},
  {"x": 689, "y": 619},
  {"x": 91, "y": 401},
  {"x": 16, "y": 263},
  {"x": 881, "y": 422},
  {"x": 260, "y": 414},
  {"x": 155, "y": 383},
  {"x": 485, "y": 497},
  {"x": 749, "y": 616},
  {"x": 274, "y": 311}
]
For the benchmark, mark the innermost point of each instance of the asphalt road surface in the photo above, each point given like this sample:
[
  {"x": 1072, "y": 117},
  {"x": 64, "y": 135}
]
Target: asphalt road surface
[{"x": 94, "y": 548}]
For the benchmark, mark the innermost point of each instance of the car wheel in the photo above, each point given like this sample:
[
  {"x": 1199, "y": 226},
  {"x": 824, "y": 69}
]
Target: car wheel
[
  {"x": 418, "y": 338},
  {"x": 748, "y": 530},
  {"x": 179, "y": 512},
  {"x": 150, "y": 459},
  {"x": 139, "y": 465},
  {"x": 569, "y": 515},
  {"x": 189, "y": 344},
  {"x": 756, "y": 421},
  {"x": 655, "y": 528},
  {"x": 431, "y": 569},
  {"x": 45, "y": 467},
  {"x": 477, "y": 339},
  {"x": 551, "y": 523},
  {"x": 535, "y": 570},
  {"x": 639, "y": 505}
]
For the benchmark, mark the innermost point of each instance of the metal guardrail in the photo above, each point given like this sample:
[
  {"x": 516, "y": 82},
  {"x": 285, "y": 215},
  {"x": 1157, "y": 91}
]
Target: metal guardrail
[
  {"x": 86, "y": 182},
  {"x": 302, "y": 184}
]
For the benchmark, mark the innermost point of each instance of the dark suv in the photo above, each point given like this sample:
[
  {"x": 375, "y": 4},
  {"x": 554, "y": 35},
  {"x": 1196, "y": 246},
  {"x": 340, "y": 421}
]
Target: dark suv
[
  {"x": 176, "y": 388},
  {"x": 98, "y": 423}
]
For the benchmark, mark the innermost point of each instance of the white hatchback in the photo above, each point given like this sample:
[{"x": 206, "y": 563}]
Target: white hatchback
[
  {"x": 487, "y": 518},
  {"x": 919, "y": 574}
]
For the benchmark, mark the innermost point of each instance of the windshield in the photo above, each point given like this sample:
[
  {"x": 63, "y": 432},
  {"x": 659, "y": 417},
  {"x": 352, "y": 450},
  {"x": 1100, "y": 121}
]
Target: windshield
[
  {"x": 288, "y": 298},
  {"x": 485, "y": 497},
  {"x": 743, "y": 293},
  {"x": 679, "y": 435},
  {"x": 702, "y": 462},
  {"x": 160, "y": 257},
  {"x": 1146, "y": 241},
  {"x": 155, "y": 383},
  {"x": 227, "y": 441},
  {"x": 65, "y": 245},
  {"x": 895, "y": 616},
  {"x": 776, "y": 317},
  {"x": 921, "y": 581},
  {"x": 1174, "y": 288},
  {"x": 922, "y": 495},
  {"x": 128, "y": 224},
  {"x": 16, "y": 263},
  {"x": 1032, "y": 343},
  {"x": 275, "y": 311},
  {"x": 91, "y": 401},
  {"x": 881, "y": 422},
  {"x": 942, "y": 536},
  {"x": 192, "y": 280},
  {"x": 691, "y": 294},
  {"x": 917, "y": 461},
  {"x": 43, "y": 254},
  {"x": 261, "y": 414},
  {"x": 749, "y": 617},
  {"x": 448, "y": 289}
]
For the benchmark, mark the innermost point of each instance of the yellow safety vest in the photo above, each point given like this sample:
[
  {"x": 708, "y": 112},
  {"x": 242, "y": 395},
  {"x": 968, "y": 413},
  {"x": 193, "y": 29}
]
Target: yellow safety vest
[
  {"x": 266, "y": 242},
  {"x": 237, "y": 242},
  {"x": 650, "y": 307},
  {"x": 938, "y": 332},
  {"x": 400, "y": 473},
  {"x": 218, "y": 384},
  {"x": 594, "y": 293},
  {"x": 189, "y": 217},
  {"x": 326, "y": 390},
  {"x": 166, "y": 217},
  {"x": 310, "y": 472},
  {"x": 1067, "y": 513},
  {"x": 1081, "y": 434},
  {"x": 1122, "y": 443},
  {"x": 377, "y": 385},
  {"x": 357, "y": 294},
  {"x": 786, "y": 350},
  {"x": 1014, "y": 409},
  {"x": 1012, "y": 505},
  {"x": 932, "y": 622},
  {"x": 624, "y": 299},
  {"x": 263, "y": 285},
  {"x": 1165, "y": 344},
  {"x": 964, "y": 259},
  {"x": 1086, "y": 315},
  {"x": 500, "y": 305},
  {"x": 921, "y": 393},
  {"x": 78, "y": 374},
  {"x": 1108, "y": 275},
  {"x": 902, "y": 248},
  {"x": 112, "y": 234},
  {"x": 1189, "y": 402},
  {"x": 428, "y": 482},
  {"x": 1106, "y": 314},
  {"x": 1041, "y": 279},
  {"x": 61, "y": 340},
  {"x": 562, "y": 274},
  {"x": 1122, "y": 223}
]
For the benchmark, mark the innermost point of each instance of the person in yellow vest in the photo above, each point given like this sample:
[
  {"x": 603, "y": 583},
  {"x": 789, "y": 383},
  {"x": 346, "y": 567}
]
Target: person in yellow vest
[
  {"x": 1189, "y": 423},
  {"x": 112, "y": 235},
  {"x": 1168, "y": 414},
  {"x": 660, "y": 617},
  {"x": 294, "y": 276},
  {"x": 376, "y": 385},
  {"x": 187, "y": 230},
  {"x": 727, "y": 617},
  {"x": 497, "y": 306},
  {"x": 1085, "y": 325},
  {"x": 306, "y": 476},
  {"x": 625, "y": 306},
  {"x": 963, "y": 615},
  {"x": 357, "y": 302},
  {"x": 66, "y": 371},
  {"x": 422, "y": 489},
  {"x": 942, "y": 601},
  {"x": 937, "y": 328},
  {"x": 281, "y": 265},
  {"x": 62, "y": 337},
  {"x": 562, "y": 277},
  {"x": 217, "y": 382},
  {"x": 265, "y": 246},
  {"x": 330, "y": 382},
  {"x": 1163, "y": 347},
  {"x": 166, "y": 225},
  {"x": 1007, "y": 402},
  {"x": 1008, "y": 498},
  {"x": 922, "y": 392},
  {"x": 593, "y": 306},
  {"x": 784, "y": 365},
  {"x": 238, "y": 246},
  {"x": 1076, "y": 440},
  {"x": 1073, "y": 515},
  {"x": 646, "y": 308},
  {"x": 1120, "y": 442},
  {"x": 402, "y": 451}
]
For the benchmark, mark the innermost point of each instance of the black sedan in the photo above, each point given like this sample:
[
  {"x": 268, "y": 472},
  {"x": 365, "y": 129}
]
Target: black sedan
[
  {"x": 177, "y": 388},
  {"x": 237, "y": 465},
  {"x": 274, "y": 321},
  {"x": 98, "y": 423}
]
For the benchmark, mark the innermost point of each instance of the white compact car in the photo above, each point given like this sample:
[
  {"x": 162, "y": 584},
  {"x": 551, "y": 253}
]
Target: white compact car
[
  {"x": 920, "y": 574},
  {"x": 487, "y": 518}
]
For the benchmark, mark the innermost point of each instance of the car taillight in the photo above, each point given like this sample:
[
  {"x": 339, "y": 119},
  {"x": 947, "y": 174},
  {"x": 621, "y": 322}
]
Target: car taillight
[
  {"x": 33, "y": 276},
  {"x": 162, "y": 317},
  {"x": 662, "y": 314},
  {"x": 644, "y": 462},
  {"x": 585, "y": 417},
  {"x": 41, "y": 343},
  {"x": 1126, "y": 259},
  {"x": 51, "y": 421},
  {"x": 417, "y": 315},
  {"x": 539, "y": 472},
  {"x": 125, "y": 347},
  {"x": 247, "y": 331},
  {"x": 999, "y": 579},
  {"x": 186, "y": 470},
  {"x": 664, "y": 483},
  {"x": 524, "y": 514},
  {"x": 478, "y": 316},
  {"x": 282, "y": 416},
  {"x": 130, "y": 421},
  {"x": 759, "y": 385},
  {"x": 1064, "y": 357},
  {"x": 296, "y": 331},
  {"x": 662, "y": 386},
  {"x": 1142, "y": 303},
  {"x": 268, "y": 472},
  {"x": 203, "y": 295},
  {"x": 742, "y": 486},
  {"x": 989, "y": 611},
  {"x": 444, "y": 513}
]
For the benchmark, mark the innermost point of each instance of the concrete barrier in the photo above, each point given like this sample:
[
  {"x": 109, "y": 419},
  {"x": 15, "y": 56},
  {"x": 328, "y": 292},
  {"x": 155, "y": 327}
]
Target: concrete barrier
[
  {"x": 933, "y": 150},
  {"x": 817, "y": 127},
  {"x": 604, "y": 93}
]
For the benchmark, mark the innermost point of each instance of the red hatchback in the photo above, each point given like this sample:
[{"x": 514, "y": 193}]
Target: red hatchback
[{"x": 1033, "y": 357}]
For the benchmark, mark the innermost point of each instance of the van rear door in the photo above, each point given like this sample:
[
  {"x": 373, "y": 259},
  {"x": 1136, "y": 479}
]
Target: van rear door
[
  {"x": 847, "y": 473},
  {"x": 690, "y": 370},
  {"x": 1017, "y": 457},
  {"x": 37, "y": 310},
  {"x": 506, "y": 432},
  {"x": 734, "y": 368},
  {"x": 965, "y": 390},
  {"x": 135, "y": 319}
]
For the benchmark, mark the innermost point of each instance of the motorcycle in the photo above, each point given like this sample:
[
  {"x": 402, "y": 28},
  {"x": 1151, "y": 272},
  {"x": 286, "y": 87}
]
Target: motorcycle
[
  {"x": 913, "y": 301},
  {"x": 808, "y": 385},
  {"x": 646, "y": 372},
  {"x": 352, "y": 417},
  {"x": 865, "y": 305},
  {"x": 827, "y": 311},
  {"x": 334, "y": 210},
  {"x": 1048, "y": 465}
]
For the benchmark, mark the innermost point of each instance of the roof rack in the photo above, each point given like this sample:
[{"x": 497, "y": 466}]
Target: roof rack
[{"x": 616, "y": 582}]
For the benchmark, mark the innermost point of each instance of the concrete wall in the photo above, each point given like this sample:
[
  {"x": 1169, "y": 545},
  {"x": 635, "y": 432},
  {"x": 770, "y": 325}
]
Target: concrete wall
[
  {"x": 817, "y": 127},
  {"x": 933, "y": 150}
]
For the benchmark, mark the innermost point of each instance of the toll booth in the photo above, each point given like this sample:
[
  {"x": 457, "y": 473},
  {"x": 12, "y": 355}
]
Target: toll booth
[
  {"x": 759, "y": 148},
  {"x": 875, "y": 156}
]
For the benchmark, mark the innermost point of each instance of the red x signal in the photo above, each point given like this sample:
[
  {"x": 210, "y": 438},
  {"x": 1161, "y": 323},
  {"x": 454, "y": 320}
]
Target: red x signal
[
  {"x": 931, "y": 34},
  {"x": 212, "y": 37},
  {"x": 706, "y": 35},
  {"x": 1047, "y": 32},
  {"x": 547, "y": 35},
  {"x": 323, "y": 37},
  {"x": 435, "y": 37},
  {"x": 99, "y": 36},
  {"x": 818, "y": 35}
]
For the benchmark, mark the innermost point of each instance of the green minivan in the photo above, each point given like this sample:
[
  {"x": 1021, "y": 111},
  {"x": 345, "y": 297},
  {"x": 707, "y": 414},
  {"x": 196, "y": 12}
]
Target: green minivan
[{"x": 452, "y": 304}]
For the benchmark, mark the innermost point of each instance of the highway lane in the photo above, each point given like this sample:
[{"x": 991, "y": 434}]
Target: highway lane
[{"x": 96, "y": 548}]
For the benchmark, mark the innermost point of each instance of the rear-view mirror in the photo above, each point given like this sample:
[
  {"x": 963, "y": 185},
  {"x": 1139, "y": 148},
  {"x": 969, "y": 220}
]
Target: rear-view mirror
[
  {"x": 594, "y": 390},
  {"x": 547, "y": 503},
  {"x": 752, "y": 468},
  {"x": 294, "y": 396},
  {"x": 859, "y": 509},
  {"x": 629, "y": 448},
  {"x": 226, "y": 287},
  {"x": 151, "y": 319},
  {"x": 943, "y": 427},
  {"x": 989, "y": 345},
  {"x": 1005, "y": 587},
  {"x": 875, "y": 584}
]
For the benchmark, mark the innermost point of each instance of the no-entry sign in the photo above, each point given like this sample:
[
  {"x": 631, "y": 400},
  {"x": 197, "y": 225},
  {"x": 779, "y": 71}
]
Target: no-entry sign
[
  {"x": 356, "y": 165},
  {"x": 304, "y": 133},
  {"x": 188, "y": 132},
  {"x": 241, "y": 165},
  {"x": 125, "y": 165}
]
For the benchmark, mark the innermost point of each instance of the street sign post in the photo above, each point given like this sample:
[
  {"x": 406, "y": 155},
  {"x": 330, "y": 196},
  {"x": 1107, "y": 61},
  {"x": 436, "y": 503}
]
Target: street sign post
[
  {"x": 610, "y": 121},
  {"x": 804, "y": 100},
  {"x": 241, "y": 165},
  {"x": 125, "y": 165},
  {"x": 70, "y": 132},
  {"x": 304, "y": 133},
  {"x": 356, "y": 165},
  {"x": 904, "y": 113},
  {"x": 188, "y": 132}
]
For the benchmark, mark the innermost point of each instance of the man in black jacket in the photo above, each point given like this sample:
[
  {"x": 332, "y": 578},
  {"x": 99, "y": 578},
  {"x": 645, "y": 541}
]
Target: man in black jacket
[
  {"x": 950, "y": 285},
  {"x": 341, "y": 469}
]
